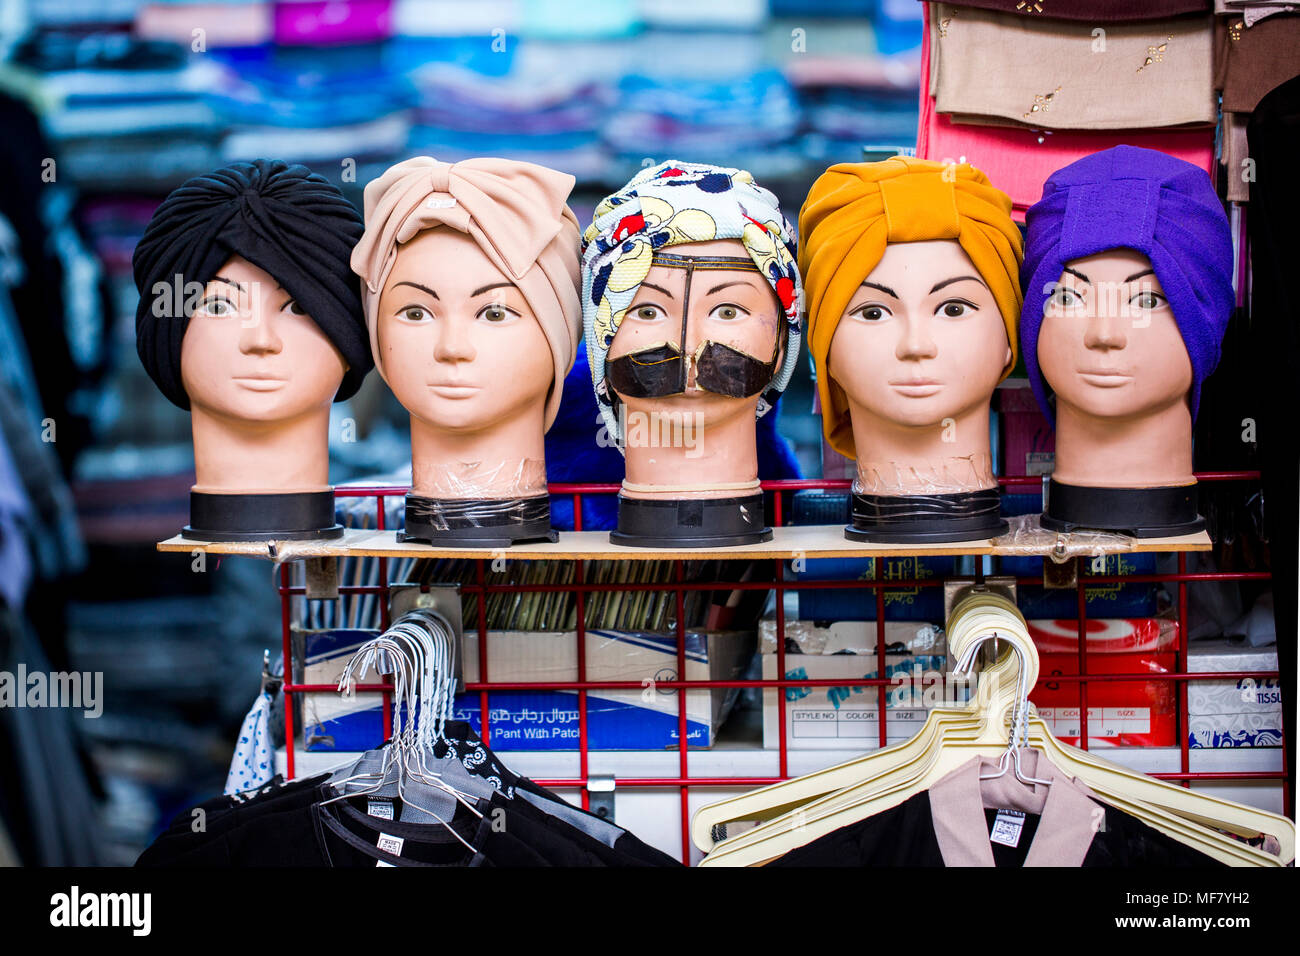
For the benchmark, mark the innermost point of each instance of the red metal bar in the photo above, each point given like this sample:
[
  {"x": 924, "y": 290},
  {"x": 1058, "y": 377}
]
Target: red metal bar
[
  {"x": 679, "y": 571},
  {"x": 286, "y": 649},
  {"x": 1082, "y": 596},
  {"x": 1183, "y": 718}
]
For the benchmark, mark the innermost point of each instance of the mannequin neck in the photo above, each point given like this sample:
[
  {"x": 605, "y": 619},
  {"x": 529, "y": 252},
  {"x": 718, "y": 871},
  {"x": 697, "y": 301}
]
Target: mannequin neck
[
  {"x": 950, "y": 457},
  {"x": 506, "y": 460},
  {"x": 684, "y": 454},
  {"x": 236, "y": 456},
  {"x": 1147, "y": 451}
]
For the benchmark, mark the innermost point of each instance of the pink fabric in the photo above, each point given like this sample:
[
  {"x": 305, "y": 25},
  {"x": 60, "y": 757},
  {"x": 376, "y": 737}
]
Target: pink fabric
[
  {"x": 514, "y": 211},
  {"x": 325, "y": 22},
  {"x": 1014, "y": 159}
]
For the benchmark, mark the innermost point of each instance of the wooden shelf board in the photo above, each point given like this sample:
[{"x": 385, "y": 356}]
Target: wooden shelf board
[{"x": 808, "y": 541}]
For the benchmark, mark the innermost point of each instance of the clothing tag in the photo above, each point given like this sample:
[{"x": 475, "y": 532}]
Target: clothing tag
[
  {"x": 380, "y": 808},
  {"x": 384, "y": 863},
  {"x": 1007, "y": 827},
  {"x": 391, "y": 844}
]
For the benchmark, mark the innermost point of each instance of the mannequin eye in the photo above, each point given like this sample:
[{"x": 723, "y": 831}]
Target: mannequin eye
[
  {"x": 1148, "y": 300},
  {"x": 647, "y": 313},
  {"x": 294, "y": 308},
  {"x": 871, "y": 313},
  {"x": 415, "y": 313},
  {"x": 496, "y": 314},
  {"x": 956, "y": 308},
  {"x": 1065, "y": 298},
  {"x": 217, "y": 306},
  {"x": 728, "y": 313}
]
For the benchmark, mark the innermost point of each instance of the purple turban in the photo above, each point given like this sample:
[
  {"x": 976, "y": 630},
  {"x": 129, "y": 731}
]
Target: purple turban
[{"x": 1140, "y": 199}]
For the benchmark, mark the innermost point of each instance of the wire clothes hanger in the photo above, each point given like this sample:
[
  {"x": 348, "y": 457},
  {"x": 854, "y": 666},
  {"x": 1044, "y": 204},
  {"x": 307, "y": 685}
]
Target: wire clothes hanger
[{"x": 420, "y": 667}]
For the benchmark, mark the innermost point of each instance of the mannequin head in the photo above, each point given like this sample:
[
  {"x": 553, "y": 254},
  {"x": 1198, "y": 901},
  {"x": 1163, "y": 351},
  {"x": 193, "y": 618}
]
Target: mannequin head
[
  {"x": 1128, "y": 291},
  {"x": 684, "y": 412},
  {"x": 457, "y": 341},
  {"x": 250, "y": 318},
  {"x": 1109, "y": 347},
  {"x": 912, "y": 274},
  {"x": 922, "y": 340},
  {"x": 470, "y": 275},
  {"x": 252, "y": 356},
  {"x": 733, "y": 307}
]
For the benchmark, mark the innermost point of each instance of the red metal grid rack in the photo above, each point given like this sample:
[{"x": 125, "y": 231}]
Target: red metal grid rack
[{"x": 684, "y": 781}]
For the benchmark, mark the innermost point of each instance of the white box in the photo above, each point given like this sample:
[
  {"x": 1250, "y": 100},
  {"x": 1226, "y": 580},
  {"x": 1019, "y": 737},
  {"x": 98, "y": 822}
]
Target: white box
[{"x": 1235, "y": 712}]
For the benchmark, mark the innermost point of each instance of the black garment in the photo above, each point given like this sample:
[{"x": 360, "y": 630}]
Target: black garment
[
  {"x": 290, "y": 825},
  {"x": 479, "y": 759},
  {"x": 904, "y": 836},
  {"x": 284, "y": 219},
  {"x": 1273, "y": 133}
]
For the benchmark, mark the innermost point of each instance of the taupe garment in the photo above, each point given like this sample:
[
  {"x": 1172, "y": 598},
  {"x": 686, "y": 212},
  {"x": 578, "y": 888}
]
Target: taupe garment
[
  {"x": 1069, "y": 812},
  {"x": 1057, "y": 74}
]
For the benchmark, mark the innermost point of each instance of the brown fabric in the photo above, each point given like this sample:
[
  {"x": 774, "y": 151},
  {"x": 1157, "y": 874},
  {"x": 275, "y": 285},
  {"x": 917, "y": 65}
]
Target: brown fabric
[
  {"x": 1149, "y": 75},
  {"x": 1069, "y": 815},
  {"x": 1092, "y": 11},
  {"x": 1235, "y": 153},
  {"x": 1249, "y": 62}
]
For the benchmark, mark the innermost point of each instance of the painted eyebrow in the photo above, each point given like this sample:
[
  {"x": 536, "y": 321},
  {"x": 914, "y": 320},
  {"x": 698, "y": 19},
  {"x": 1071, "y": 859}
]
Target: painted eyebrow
[
  {"x": 1076, "y": 272},
  {"x": 490, "y": 286},
  {"x": 723, "y": 285},
  {"x": 883, "y": 288},
  {"x": 236, "y": 284},
  {"x": 940, "y": 285},
  {"x": 1139, "y": 275},
  {"x": 416, "y": 285},
  {"x": 659, "y": 288}
]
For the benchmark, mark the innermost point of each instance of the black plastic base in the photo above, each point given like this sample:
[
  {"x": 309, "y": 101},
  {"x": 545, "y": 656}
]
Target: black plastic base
[
  {"x": 690, "y": 522},
  {"x": 926, "y": 519},
  {"x": 295, "y": 516},
  {"x": 478, "y": 523},
  {"x": 1137, "y": 512}
]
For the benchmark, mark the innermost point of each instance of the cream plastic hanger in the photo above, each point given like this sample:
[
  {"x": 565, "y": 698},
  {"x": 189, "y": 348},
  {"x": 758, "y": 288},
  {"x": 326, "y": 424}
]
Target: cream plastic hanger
[
  {"x": 870, "y": 792},
  {"x": 942, "y": 723}
]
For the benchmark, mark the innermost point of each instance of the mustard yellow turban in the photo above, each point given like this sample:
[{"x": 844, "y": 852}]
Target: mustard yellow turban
[{"x": 855, "y": 209}]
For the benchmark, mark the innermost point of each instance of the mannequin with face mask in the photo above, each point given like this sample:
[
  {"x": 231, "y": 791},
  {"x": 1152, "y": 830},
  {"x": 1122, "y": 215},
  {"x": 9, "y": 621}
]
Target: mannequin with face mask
[
  {"x": 1128, "y": 290},
  {"x": 910, "y": 267},
  {"x": 691, "y": 309},
  {"x": 470, "y": 285},
  {"x": 250, "y": 318}
]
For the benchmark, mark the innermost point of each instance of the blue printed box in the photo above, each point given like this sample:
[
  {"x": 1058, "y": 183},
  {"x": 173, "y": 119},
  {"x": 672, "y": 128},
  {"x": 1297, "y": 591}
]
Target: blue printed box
[{"x": 644, "y": 718}]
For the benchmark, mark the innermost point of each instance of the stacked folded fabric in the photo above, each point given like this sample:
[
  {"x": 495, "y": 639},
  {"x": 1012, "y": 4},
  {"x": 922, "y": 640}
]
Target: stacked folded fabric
[
  {"x": 1088, "y": 76},
  {"x": 852, "y": 94},
  {"x": 111, "y": 97},
  {"x": 1256, "y": 49}
]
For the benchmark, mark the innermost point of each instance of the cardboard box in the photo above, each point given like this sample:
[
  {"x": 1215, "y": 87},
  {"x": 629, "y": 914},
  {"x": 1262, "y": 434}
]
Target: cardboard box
[
  {"x": 634, "y": 719},
  {"x": 1120, "y": 713},
  {"x": 847, "y": 716},
  {"x": 1235, "y": 712}
]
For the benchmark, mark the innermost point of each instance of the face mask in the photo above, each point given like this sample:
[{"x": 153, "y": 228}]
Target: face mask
[{"x": 662, "y": 370}]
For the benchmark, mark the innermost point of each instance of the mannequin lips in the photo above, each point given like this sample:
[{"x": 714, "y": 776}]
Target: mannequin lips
[
  {"x": 916, "y": 387},
  {"x": 1105, "y": 377},
  {"x": 261, "y": 382},
  {"x": 453, "y": 389}
]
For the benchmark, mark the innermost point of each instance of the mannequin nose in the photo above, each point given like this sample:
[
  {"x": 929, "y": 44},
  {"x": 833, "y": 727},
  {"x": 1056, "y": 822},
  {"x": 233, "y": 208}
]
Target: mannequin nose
[
  {"x": 257, "y": 335},
  {"x": 1104, "y": 331},
  {"x": 916, "y": 342},
  {"x": 452, "y": 342}
]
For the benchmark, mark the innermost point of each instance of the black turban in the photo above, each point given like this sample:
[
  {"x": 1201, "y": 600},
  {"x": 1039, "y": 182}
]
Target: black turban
[{"x": 284, "y": 219}]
